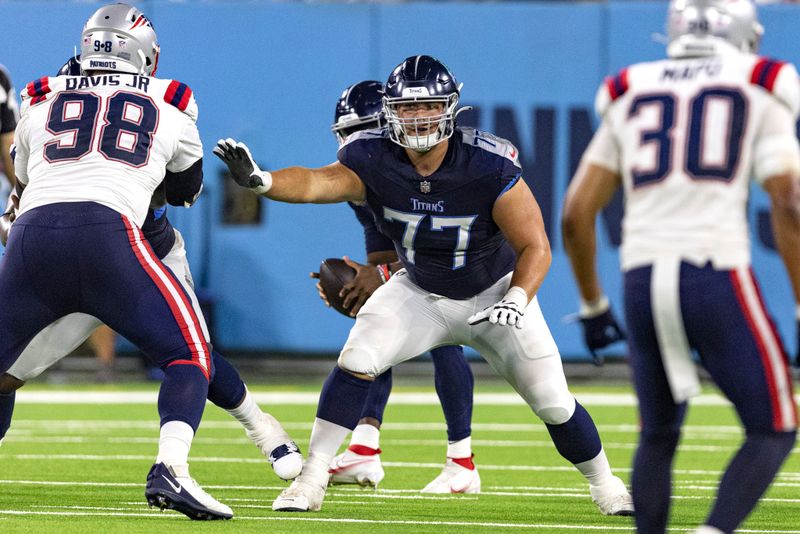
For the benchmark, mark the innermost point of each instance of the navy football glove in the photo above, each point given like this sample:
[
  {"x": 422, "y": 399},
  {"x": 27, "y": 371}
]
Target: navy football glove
[
  {"x": 243, "y": 168},
  {"x": 599, "y": 331}
]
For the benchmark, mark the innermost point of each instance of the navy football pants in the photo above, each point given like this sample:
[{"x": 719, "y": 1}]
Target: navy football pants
[{"x": 84, "y": 257}]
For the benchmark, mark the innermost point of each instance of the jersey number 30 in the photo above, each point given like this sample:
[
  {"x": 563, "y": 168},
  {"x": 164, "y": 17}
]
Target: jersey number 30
[
  {"x": 125, "y": 135},
  {"x": 662, "y": 136}
]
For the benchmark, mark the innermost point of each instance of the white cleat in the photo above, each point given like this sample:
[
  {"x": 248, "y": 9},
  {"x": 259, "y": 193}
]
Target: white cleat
[
  {"x": 456, "y": 478},
  {"x": 612, "y": 497},
  {"x": 350, "y": 467},
  {"x": 307, "y": 491},
  {"x": 274, "y": 443}
]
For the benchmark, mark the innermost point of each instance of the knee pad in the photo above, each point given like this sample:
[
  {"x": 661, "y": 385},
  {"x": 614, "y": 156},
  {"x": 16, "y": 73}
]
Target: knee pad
[
  {"x": 551, "y": 401},
  {"x": 358, "y": 360}
]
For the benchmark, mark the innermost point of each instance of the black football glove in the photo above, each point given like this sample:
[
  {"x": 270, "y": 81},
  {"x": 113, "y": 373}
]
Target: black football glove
[
  {"x": 243, "y": 169},
  {"x": 600, "y": 331}
]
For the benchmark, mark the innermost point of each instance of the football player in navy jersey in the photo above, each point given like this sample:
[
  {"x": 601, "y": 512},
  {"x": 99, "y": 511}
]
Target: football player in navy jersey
[
  {"x": 360, "y": 107},
  {"x": 471, "y": 239}
]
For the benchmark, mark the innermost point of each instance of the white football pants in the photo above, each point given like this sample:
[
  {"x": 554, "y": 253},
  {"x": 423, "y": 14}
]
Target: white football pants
[{"x": 401, "y": 321}]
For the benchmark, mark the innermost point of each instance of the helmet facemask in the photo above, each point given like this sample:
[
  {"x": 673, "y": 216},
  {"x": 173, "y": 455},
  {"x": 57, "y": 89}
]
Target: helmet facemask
[
  {"x": 420, "y": 132},
  {"x": 352, "y": 123}
]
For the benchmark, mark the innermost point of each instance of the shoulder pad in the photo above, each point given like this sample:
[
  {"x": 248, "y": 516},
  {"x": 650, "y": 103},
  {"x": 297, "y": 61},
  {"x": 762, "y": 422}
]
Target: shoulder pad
[
  {"x": 491, "y": 143},
  {"x": 780, "y": 79},
  {"x": 610, "y": 90},
  {"x": 36, "y": 91},
  {"x": 374, "y": 133},
  {"x": 180, "y": 95}
]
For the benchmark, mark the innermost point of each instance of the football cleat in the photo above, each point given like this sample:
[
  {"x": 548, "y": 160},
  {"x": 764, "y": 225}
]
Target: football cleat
[
  {"x": 307, "y": 491},
  {"x": 458, "y": 476},
  {"x": 172, "y": 487},
  {"x": 612, "y": 497},
  {"x": 274, "y": 443},
  {"x": 357, "y": 465}
]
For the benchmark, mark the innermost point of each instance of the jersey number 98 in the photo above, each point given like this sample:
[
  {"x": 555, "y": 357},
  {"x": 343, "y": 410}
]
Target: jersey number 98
[{"x": 125, "y": 135}]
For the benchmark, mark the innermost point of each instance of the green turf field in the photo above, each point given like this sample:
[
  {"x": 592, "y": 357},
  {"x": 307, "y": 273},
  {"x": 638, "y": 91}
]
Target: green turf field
[{"x": 80, "y": 468}]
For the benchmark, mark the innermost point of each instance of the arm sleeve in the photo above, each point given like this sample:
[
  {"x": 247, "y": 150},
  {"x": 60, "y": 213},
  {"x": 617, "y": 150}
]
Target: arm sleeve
[
  {"x": 603, "y": 150},
  {"x": 776, "y": 150},
  {"x": 183, "y": 188}
]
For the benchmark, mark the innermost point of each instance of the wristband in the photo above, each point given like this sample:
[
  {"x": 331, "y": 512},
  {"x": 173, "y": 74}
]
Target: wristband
[
  {"x": 518, "y": 296},
  {"x": 384, "y": 272},
  {"x": 266, "y": 182},
  {"x": 594, "y": 308},
  {"x": 797, "y": 312}
]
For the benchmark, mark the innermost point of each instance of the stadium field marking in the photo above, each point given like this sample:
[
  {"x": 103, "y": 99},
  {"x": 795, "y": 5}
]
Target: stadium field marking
[
  {"x": 309, "y": 398},
  {"x": 608, "y": 445},
  {"x": 431, "y": 465},
  {"x": 534, "y": 426},
  {"x": 466, "y": 524}
]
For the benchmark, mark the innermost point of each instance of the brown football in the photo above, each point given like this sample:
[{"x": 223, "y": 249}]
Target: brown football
[{"x": 334, "y": 273}]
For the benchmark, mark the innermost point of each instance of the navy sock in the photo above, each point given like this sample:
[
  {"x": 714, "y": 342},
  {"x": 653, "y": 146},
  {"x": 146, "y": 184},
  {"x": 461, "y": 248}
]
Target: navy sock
[
  {"x": 378, "y": 396},
  {"x": 747, "y": 478},
  {"x": 577, "y": 439},
  {"x": 342, "y": 398},
  {"x": 454, "y": 384},
  {"x": 651, "y": 482},
  {"x": 226, "y": 388},
  {"x": 6, "y": 411},
  {"x": 183, "y": 394}
]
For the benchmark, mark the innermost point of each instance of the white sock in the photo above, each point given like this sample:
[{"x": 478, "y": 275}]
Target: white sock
[
  {"x": 248, "y": 413},
  {"x": 597, "y": 470},
  {"x": 174, "y": 443},
  {"x": 326, "y": 438},
  {"x": 366, "y": 435},
  {"x": 460, "y": 449}
]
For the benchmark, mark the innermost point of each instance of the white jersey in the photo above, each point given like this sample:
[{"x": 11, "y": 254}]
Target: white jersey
[
  {"x": 686, "y": 136},
  {"x": 107, "y": 139}
]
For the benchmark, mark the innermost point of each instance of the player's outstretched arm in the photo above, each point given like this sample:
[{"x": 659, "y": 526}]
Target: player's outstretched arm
[{"x": 324, "y": 185}]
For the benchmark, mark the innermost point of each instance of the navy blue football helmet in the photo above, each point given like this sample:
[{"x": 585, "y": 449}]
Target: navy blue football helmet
[
  {"x": 359, "y": 108},
  {"x": 421, "y": 80},
  {"x": 71, "y": 68}
]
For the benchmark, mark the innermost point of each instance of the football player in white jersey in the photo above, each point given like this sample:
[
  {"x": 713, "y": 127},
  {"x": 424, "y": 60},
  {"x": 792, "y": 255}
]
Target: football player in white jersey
[
  {"x": 683, "y": 137},
  {"x": 471, "y": 239},
  {"x": 90, "y": 152}
]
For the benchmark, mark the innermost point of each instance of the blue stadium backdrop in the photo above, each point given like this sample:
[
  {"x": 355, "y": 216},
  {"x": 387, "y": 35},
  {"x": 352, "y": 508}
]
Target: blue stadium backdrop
[{"x": 269, "y": 74}]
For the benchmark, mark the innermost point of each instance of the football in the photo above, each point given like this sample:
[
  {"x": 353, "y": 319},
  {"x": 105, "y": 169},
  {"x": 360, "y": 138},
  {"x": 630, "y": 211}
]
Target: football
[{"x": 334, "y": 273}]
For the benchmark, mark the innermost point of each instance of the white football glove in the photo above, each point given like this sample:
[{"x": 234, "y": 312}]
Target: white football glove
[
  {"x": 243, "y": 168},
  {"x": 509, "y": 311}
]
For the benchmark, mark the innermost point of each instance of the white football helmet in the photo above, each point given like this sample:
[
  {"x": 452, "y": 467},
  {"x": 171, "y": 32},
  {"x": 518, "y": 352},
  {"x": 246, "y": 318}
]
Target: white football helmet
[
  {"x": 120, "y": 38},
  {"x": 697, "y": 28}
]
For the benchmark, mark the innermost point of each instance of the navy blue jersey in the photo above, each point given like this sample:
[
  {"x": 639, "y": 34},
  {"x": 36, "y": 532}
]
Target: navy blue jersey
[
  {"x": 441, "y": 225},
  {"x": 159, "y": 231},
  {"x": 374, "y": 240}
]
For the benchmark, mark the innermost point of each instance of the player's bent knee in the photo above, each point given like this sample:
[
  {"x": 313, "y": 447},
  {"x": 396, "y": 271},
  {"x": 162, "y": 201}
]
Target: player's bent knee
[
  {"x": 551, "y": 402},
  {"x": 9, "y": 384},
  {"x": 359, "y": 362}
]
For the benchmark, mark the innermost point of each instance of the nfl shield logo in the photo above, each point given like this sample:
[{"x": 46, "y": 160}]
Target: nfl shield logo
[{"x": 425, "y": 186}]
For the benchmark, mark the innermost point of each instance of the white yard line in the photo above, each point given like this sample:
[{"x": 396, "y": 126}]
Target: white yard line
[{"x": 25, "y": 396}]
